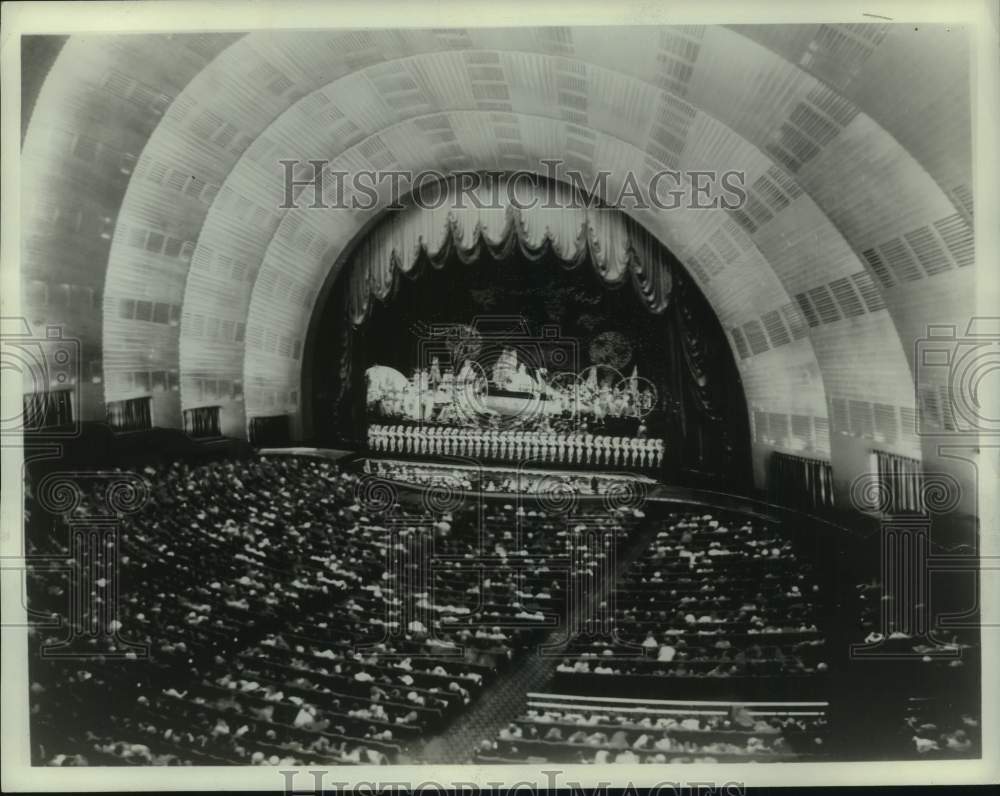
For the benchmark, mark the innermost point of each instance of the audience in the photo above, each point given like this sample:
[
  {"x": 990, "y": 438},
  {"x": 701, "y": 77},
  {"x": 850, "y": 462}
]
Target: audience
[
  {"x": 260, "y": 613},
  {"x": 616, "y": 733},
  {"x": 937, "y": 671},
  {"x": 264, "y": 617},
  {"x": 940, "y": 729},
  {"x": 711, "y": 597}
]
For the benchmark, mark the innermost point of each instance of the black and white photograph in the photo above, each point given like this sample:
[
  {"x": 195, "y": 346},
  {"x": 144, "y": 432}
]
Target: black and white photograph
[{"x": 542, "y": 394}]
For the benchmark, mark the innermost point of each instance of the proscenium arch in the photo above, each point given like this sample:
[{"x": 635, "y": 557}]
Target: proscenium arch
[
  {"x": 785, "y": 388},
  {"x": 199, "y": 347},
  {"x": 561, "y": 225},
  {"x": 883, "y": 369},
  {"x": 528, "y": 163},
  {"x": 242, "y": 85},
  {"x": 355, "y": 93},
  {"x": 349, "y": 225}
]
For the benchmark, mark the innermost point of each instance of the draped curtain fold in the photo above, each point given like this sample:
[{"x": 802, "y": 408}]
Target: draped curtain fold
[
  {"x": 801, "y": 481},
  {"x": 703, "y": 415},
  {"x": 698, "y": 359},
  {"x": 131, "y": 414},
  {"x": 559, "y": 221},
  {"x": 651, "y": 275},
  {"x": 203, "y": 421},
  {"x": 900, "y": 480},
  {"x": 560, "y": 225}
]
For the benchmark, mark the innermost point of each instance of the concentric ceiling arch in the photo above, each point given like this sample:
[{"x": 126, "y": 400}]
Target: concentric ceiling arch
[{"x": 858, "y": 224}]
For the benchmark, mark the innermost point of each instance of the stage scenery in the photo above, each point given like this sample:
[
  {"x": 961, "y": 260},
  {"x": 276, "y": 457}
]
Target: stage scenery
[
  {"x": 521, "y": 345},
  {"x": 500, "y": 483}
]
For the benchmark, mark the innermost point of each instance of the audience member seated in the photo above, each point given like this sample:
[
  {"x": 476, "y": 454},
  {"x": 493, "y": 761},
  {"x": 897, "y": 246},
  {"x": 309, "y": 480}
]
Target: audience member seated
[
  {"x": 940, "y": 729},
  {"x": 648, "y": 733},
  {"x": 711, "y": 598},
  {"x": 932, "y": 671},
  {"x": 268, "y": 611}
]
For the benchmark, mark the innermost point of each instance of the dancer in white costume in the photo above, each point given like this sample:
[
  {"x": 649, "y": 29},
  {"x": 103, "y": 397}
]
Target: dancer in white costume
[{"x": 542, "y": 444}]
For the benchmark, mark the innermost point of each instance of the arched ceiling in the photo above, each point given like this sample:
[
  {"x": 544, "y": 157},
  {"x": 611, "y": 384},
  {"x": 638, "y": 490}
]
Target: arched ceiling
[{"x": 159, "y": 155}]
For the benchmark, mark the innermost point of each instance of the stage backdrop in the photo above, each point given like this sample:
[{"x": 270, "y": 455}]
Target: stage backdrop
[{"x": 595, "y": 303}]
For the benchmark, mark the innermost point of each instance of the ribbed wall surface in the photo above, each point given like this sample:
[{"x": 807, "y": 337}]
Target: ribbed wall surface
[{"x": 158, "y": 240}]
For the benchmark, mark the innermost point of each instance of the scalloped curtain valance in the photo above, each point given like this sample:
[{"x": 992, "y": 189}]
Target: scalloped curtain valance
[{"x": 615, "y": 245}]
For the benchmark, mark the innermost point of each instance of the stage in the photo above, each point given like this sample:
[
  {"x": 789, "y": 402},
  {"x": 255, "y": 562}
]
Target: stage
[{"x": 652, "y": 490}]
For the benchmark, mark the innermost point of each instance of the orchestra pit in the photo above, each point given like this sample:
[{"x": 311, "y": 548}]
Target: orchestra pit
[{"x": 528, "y": 482}]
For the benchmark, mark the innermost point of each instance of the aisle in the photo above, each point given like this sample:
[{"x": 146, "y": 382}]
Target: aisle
[
  {"x": 506, "y": 698},
  {"x": 498, "y": 705}
]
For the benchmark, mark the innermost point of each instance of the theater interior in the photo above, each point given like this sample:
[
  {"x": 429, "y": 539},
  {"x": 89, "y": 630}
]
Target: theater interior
[{"x": 453, "y": 484}]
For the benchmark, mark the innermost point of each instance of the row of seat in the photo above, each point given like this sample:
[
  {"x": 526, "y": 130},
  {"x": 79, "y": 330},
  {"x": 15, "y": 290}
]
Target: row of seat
[
  {"x": 556, "y": 728},
  {"x": 265, "y": 616}
]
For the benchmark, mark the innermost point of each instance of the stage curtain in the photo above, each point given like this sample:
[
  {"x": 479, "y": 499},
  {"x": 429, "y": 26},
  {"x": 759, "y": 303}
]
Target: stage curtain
[
  {"x": 131, "y": 414},
  {"x": 699, "y": 359},
  {"x": 651, "y": 273},
  {"x": 203, "y": 421},
  {"x": 560, "y": 224},
  {"x": 559, "y": 219},
  {"x": 800, "y": 481},
  {"x": 608, "y": 242},
  {"x": 345, "y": 364},
  {"x": 900, "y": 481},
  {"x": 48, "y": 409}
]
